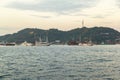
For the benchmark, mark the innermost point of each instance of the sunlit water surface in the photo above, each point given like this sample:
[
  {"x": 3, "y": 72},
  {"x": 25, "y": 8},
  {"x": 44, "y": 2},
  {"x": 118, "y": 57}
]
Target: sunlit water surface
[{"x": 99, "y": 62}]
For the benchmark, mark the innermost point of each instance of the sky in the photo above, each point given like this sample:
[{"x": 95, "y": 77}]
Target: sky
[{"x": 61, "y": 14}]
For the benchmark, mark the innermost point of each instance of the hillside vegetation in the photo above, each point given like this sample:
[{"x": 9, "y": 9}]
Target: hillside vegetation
[{"x": 96, "y": 34}]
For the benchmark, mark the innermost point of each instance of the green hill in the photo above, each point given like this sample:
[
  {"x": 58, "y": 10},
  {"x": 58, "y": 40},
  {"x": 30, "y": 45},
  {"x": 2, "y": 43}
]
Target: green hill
[{"x": 96, "y": 34}]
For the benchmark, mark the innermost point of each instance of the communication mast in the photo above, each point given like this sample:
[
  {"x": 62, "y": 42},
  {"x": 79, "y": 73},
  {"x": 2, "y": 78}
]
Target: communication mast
[{"x": 82, "y": 23}]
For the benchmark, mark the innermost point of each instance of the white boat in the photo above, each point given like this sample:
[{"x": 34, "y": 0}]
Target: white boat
[
  {"x": 90, "y": 43},
  {"x": 41, "y": 43},
  {"x": 25, "y": 43},
  {"x": 7, "y": 44}
]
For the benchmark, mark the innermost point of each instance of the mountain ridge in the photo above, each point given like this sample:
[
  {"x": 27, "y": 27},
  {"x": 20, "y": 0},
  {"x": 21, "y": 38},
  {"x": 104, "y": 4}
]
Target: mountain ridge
[{"x": 96, "y": 34}]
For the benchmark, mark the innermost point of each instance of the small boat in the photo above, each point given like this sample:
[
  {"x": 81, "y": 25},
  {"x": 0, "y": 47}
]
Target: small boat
[
  {"x": 25, "y": 43},
  {"x": 3, "y": 43},
  {"x": 86, "y": 44},
  {"x": 41, "y": 43},
  {"x": 10, "y": 44},
  {"x": 72, "y": 43}
]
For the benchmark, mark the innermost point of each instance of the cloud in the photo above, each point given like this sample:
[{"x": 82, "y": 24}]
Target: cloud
[
  {"x": 41, "y": 16},
  {"x": 81, "y": 14},
  {"x": 58, "y": 6},
  {"x": 118, "y": 3},
  {"x": 99, "y": 16},
  {"x": 106, "y": 22},
  {"x": 7, "y": 28}
]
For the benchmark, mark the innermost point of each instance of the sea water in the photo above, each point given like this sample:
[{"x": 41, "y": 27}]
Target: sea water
[{"x": 99, "y": 62}]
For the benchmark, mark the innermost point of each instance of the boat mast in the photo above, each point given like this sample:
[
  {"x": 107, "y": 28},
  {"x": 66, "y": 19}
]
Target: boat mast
[
  {"x": 40, "y": 39},
  {"x": 46, "y": 39}
]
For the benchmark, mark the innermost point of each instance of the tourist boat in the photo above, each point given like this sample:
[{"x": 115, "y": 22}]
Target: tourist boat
[
  {"x": 72, "y": 43},
  {"x": 7, "y": 44},
  {"x": 86, "y": 44},
  {"x": 10, "y": 44},
  {"x": 25, "y": 43},
  {"x": 42, "y": 43}
]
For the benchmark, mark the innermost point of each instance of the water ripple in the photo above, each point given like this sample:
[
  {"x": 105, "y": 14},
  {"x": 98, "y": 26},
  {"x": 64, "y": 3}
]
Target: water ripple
[{"x": 60, "y": 63}]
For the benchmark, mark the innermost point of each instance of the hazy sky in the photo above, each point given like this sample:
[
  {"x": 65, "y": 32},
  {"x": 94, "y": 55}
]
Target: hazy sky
[{"x": 62, "y": 14}]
